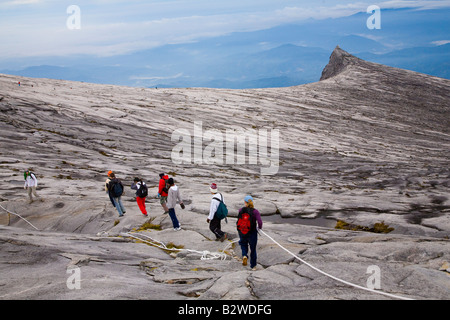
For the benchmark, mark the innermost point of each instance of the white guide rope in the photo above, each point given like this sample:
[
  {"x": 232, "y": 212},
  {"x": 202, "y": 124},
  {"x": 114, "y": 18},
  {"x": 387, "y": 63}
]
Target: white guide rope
[
  {"x": 333, "y": 277},
  {"x": 205, "y": 254},
  {"x": 18, "y": 215}
]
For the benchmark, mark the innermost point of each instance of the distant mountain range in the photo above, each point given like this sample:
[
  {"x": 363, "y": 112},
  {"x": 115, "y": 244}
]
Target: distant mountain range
[{"x": 285, "y": 55}]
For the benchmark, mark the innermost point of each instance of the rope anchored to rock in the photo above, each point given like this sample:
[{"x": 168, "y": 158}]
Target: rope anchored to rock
[
  {"x": 18, "y": 215},
  {"x": 205, "y": 254}
]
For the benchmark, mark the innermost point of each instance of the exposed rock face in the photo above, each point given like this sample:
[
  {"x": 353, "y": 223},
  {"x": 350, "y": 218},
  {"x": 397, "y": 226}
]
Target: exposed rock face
[
  {"x": 339, "y": 60},
  {"x": 366, "y": 144}
]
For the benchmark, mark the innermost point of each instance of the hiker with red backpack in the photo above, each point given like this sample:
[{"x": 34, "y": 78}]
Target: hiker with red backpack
[{"x": 248, "y": 223}]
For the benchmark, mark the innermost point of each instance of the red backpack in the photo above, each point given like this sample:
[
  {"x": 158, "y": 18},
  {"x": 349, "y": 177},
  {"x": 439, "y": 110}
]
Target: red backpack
[{"x": 246, "y": 221}]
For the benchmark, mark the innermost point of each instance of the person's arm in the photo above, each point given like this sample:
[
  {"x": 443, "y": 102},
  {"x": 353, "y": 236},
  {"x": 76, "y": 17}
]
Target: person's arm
[
  {"x": 179, "y": 196},
  {"x": 33, "y": 176},
  {"x": 212, "y": 209},
  {"x": 123, "y": 189},
  {"x": 162, "y": 184},
  {"x": 258, "y": 219}
]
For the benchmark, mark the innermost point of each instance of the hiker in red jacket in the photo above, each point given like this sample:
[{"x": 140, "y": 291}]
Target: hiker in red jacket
[{"x": 162, "y": 191}]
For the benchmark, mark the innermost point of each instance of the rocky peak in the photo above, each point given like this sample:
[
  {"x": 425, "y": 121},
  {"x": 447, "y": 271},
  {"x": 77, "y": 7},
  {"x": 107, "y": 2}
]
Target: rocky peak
[{"x": 339, "y": 60}]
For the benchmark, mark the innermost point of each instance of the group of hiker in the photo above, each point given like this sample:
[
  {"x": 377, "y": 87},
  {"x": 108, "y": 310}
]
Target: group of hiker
[{"x": 248, "y": 220}]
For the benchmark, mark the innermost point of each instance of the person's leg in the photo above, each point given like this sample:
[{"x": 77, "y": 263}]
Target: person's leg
[
  {"x": 118, "y": 206},
  {"x": 243, "y": 242},
  {"x": 253, "y": 240},
  {"x": 121, "y": 205},
  {"x": 214, "y": 226},
  {"x": 29, "y": 194},
  {"x": 163, "y": 201},
  {"x": 173, "y": 216},
  {"x": 33, "y": 190},
  {"x": 141, "y": 205},
  {"x": 112, "y": 200}
]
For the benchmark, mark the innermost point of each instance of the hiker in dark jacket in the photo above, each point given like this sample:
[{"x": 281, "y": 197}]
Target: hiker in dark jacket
[
  {"x": 106, "y": 188},
  {"x": 248, "y": 223},
  {"x": 141, "y": 194},
  {"x": 116, "y": 190}
]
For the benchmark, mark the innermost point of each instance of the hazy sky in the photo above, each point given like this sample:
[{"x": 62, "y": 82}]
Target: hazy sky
[{"x": 109, "y": 27}]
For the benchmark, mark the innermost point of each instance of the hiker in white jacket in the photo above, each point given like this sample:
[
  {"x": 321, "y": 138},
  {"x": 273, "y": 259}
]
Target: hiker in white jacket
[
  {"x": 214, "y": 222},
  {"x": 31, "y": 183},
  {"x": 173, "y": 196}
]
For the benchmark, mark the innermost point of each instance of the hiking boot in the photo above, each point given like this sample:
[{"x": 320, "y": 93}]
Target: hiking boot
[
  {"x": 222, "y": 239},
  {"x": 244, "y": 260}
]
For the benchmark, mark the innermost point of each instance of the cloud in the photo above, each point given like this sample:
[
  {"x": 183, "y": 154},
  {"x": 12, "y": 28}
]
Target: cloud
[
  {"x": 119, "y": 27},
  {"x": 440, "y": 42},
  {"x": 155, "y": 77},
  {"x": 21, "y": 2}
]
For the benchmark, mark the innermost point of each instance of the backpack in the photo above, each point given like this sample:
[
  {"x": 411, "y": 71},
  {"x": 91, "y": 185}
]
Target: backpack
[
  {"x": 222, "y": 210},
  {"x": 166, "y": 185},
  {"x": 25, "y": 175},
  {"x": 246, "y": 221},
  {"x": 115, "y": 188},
  {"x": 142, "y": 191}
]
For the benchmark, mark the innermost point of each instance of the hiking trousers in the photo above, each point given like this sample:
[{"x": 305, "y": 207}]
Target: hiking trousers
[
  {"x": 32, "y": 190},
  {"x": 249, "y": 239},
  {"x": 141, "y": 204},
  {"x": 215, "y": 227},
  {"x": 173, "y": 216},
  {"x": 119, "y": 206}
]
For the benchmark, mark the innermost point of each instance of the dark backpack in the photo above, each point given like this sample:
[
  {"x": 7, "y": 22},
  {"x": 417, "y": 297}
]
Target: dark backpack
[
  {"x": 222, "y": 210},
  {"x": 142, "y": 191},
  {"x": 115, "y": 188},
  {"x": 246, "y": 221}
]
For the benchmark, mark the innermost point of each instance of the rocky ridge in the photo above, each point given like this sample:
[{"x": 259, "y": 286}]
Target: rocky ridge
[{"x": 368, "y": 143}]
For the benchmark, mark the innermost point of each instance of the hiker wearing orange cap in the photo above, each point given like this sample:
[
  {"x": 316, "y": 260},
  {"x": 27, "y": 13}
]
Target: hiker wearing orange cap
[{"x": 106, "y": 188}]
